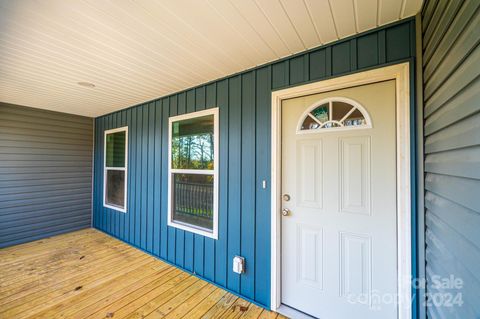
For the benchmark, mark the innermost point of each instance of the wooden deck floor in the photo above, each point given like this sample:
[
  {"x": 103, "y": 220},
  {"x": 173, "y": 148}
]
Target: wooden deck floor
[{"x": 87, "y": 274}]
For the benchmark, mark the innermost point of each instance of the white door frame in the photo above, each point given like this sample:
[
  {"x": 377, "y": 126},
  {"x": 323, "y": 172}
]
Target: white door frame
[{"x": 400, "y": 73}]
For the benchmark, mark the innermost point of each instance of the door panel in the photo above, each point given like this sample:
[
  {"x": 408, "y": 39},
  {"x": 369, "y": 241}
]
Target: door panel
[
  {"x": 355, "y": 174},
  {"x": 339, "y": 241},
  {"x": 310, "y": 173},
  {"x": 310, "y": 261},
  {"x": 355, "y": 265}
]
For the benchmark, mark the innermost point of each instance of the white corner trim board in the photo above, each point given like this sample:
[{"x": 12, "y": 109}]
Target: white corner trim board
[{"x": 399, "y": 73}]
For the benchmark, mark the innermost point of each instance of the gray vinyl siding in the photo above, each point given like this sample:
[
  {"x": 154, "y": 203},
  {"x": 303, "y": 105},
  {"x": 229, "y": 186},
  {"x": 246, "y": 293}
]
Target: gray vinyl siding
[
  {"x": 45, "y": 173},
  {"x": 451, "y": 68}
]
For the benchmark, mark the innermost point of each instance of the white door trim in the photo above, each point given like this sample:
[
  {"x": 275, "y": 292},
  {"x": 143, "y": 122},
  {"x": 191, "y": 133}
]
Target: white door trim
[{"x": 400, "y": 73}]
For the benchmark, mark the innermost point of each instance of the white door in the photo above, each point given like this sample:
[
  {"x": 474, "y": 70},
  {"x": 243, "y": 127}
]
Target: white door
[{"x": 339, "y": 241}]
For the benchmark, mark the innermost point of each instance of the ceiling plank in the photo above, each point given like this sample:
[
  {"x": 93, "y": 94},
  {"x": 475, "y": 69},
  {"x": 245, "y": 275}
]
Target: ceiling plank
[
  {"x": 323, "y": 20},
  {"x": 390, "y": 10},
  {"x": 411, "y": 7},
  {"x": 280, "y": 20},
  {"x": 136, "y": 51},
  {"x": 344, "y": 16},
  {"x": 365, "y": 14},
  {"x": 302, "y": 22},
  {"x": 251, "y": 12},
  {"x": 231, "y": 15}
]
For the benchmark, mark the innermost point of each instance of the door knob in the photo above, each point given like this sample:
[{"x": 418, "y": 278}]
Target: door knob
[{"x": 285, "y": 212}]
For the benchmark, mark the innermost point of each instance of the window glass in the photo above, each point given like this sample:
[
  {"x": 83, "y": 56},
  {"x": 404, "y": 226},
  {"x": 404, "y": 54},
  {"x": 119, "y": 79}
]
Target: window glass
[
  {"x": 193, "y": 200},
  {"x": 321, "y": 113},
  {"x": 193, "y": 143},
  {"x": 193, "y": 180},
  {"x": 115, "y": 149},
  {"x": 115, "y": 192},
  {"x": 115, "y": 169},
  {"x": 334, "y": 114},
  {"x": 331, "y": 124},
  {"x": 355, "y": 119},
  {"x": 340, "y": 109},
  {"x": 310, "y": 124}
]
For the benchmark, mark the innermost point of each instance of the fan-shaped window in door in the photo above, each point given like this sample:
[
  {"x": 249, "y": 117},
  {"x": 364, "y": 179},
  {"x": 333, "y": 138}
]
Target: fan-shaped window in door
[{"x": 334, "y": 113}]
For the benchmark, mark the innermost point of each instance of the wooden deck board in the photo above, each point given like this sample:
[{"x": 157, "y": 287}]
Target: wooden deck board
[{"x": 87, "y": 274}]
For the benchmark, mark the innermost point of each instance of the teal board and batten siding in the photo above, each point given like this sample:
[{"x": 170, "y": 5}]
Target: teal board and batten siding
[
  {"x": 244, "y": 101},
  {"x": 45, "y": 173},
  {"x": 451, "y": 67}
]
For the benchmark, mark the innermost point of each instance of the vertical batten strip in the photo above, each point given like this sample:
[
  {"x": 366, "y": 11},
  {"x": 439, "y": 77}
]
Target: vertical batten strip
[
  {"x": 262, "y": 196},
  {"x": 151, "y": 175},
  {"x": 165, "y": 235},
  {"x": 177, "y": 248},
  {"x": 132, "y": 135},
  {"x": 181, "y": 255},
  {"x": 209, "y": 258},
  {"x": 248, "y": 155},
  {"x": 157, "y": 191},
  {"x": 234, "y": 178},
  {"x": 127, "y": 218},
  {"x": 144, "y": 187},
  {"x": 221, "y": 246},
  {"x": 199, "y": 242},
  {"x": 138, "y": 180},
  {"x": 188, "y": 242}
]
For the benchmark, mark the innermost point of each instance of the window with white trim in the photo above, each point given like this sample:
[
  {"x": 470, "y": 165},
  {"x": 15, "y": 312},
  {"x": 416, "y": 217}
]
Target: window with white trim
[
  {"x": 193, "y": 172},
  {"x": 334, "y": 113},
  {"x": 115, "y": 169}
]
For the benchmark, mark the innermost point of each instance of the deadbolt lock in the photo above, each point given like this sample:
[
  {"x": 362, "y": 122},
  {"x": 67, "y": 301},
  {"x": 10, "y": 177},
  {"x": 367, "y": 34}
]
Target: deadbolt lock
[{"x": 286, "y": 197}]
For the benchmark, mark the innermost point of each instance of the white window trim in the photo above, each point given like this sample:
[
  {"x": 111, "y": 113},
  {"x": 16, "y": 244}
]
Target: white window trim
[
  {"x": 125, "y": 169},
  {"x": 214, "y": 172}
]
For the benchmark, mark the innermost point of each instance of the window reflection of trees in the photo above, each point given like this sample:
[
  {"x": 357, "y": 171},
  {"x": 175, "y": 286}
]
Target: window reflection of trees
[{"x": 193, "y": 151}]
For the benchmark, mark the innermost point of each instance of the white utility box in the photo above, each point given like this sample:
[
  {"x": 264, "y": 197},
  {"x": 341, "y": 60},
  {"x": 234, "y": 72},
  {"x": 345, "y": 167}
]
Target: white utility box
[{"x": 238, "y": 264}]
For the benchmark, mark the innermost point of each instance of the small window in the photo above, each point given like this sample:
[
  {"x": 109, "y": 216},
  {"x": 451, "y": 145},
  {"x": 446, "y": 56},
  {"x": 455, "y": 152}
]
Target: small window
[
  {"x": 193, "y": 167},
  {"x": 334, "y": 113},
  {"x": 115, "y": 169}
]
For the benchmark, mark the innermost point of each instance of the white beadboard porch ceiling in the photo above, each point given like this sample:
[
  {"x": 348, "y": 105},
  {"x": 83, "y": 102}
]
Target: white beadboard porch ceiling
[{"x": 138, "y": 50}]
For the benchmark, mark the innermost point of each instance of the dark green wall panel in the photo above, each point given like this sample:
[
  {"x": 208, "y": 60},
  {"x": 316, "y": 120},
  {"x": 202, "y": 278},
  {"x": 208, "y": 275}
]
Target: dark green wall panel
[
  {"x": 341, "y": 58},
  {"x": 244, "y": 101},
  {"x": 396, "y": 42},
  {"x": 368, "y": 48},
  {"x": 280, "y": 74},
  {"x": 298, "y": 69},
  {"x": 318, "y": 64}
]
